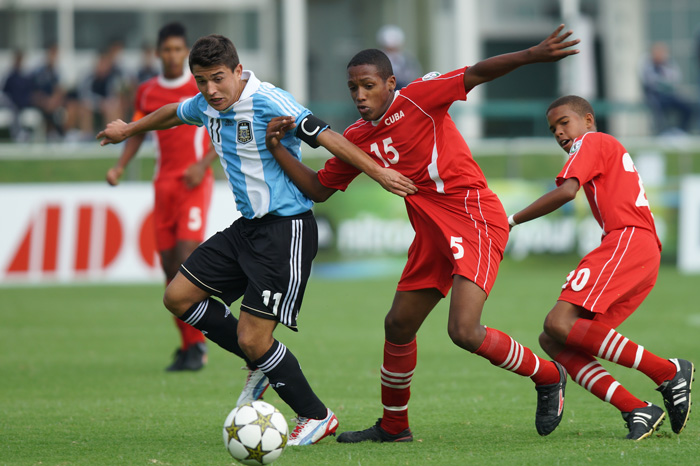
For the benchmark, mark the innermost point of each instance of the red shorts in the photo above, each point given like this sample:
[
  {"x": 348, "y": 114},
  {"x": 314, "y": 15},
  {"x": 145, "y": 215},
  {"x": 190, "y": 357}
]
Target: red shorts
[
  {"x": 613, "y": 279},
  {"x": 180, "y": 214},
  {"x": 459, "y": 234}
]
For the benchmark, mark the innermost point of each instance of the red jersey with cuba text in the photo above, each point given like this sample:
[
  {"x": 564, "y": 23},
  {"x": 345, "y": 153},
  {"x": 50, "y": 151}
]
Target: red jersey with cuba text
[
  {"x": 179, "y": 147},
  {"x": 417, "y": 138},
  {"x": 612, "y": 185},
  {"x": 461, "y": 227}
]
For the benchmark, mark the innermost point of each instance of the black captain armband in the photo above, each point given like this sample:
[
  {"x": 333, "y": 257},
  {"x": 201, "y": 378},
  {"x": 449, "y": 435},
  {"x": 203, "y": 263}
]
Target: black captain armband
[{"x": 309, "y": 129}]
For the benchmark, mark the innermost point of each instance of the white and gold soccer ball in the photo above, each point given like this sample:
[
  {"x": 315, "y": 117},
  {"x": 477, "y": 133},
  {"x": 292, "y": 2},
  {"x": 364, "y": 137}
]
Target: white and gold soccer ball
[{"x": 255, "y": 433}]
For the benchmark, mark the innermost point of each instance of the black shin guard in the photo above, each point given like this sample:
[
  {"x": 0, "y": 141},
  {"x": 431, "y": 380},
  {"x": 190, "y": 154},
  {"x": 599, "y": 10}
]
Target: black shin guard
[{"x": 286, "y": 377}]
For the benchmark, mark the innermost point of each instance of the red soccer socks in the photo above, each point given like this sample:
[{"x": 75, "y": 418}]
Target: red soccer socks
[
  {"x": 600, "y": 340},
  {"x": 397, "y": 372},
  {"x": 503, "y": 351}
]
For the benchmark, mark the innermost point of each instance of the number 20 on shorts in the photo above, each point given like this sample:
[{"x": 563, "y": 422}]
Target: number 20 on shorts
[{"x": 577, "y": 279}]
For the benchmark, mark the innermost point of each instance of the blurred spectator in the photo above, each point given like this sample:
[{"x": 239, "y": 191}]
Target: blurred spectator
[
  {"x": 48, "y": 95},
  {"x": 106, "y": 88},
  {"x": 661, "y": 78},
  {"x": 697, "y": 58},
  {"x": 18, "y": 94},
  {"x": 406, "y": 68},
  {"x": 125, "y": 83},
  {"x": 149, "y": 64}
]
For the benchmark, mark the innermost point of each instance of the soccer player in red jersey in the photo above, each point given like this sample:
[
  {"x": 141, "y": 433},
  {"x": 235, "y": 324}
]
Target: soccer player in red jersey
[
  {"x": 183, "y": 179},
  {"x": 461, "y": 227},
  {"x": 611, "y": 281}
]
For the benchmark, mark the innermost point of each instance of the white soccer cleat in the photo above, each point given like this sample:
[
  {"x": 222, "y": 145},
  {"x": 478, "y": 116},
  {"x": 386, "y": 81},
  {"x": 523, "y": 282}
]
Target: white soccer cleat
[
  {"x": 255, "y": 385},
  {"x": 310, "y": 431}
]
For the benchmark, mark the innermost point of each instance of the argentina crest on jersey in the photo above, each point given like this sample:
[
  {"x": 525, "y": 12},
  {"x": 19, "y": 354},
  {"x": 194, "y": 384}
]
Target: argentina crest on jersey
[{"x": 244, "y": 132}]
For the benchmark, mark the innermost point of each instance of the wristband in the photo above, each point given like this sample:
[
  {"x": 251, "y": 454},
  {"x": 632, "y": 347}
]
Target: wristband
[{"x": 511, "y": 221}]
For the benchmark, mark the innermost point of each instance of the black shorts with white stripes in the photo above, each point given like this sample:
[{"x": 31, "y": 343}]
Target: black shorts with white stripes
[{"x": 266, "y": 260}]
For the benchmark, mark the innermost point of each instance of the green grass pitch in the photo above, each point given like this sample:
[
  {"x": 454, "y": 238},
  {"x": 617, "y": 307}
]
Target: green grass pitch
[{"x": 82, "y": 379}]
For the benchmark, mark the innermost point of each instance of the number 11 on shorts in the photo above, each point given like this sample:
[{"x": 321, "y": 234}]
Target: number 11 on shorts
[{"x": 276, "y": 298}]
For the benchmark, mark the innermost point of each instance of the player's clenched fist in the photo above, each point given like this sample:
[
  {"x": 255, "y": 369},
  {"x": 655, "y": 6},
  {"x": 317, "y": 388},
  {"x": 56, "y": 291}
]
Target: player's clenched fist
[{"x": 276, "y": 129}]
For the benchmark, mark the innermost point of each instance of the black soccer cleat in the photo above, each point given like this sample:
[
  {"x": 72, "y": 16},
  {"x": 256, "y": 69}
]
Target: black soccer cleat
[
  {"x": 191, "y": 359},
  {"x": 676, "y": 393},
  {"x": 178, "y": 362},
  {"x": 642, "y": 422},
  {"x": 550, "y": 403},
  {"x": 375, "y": 434}
]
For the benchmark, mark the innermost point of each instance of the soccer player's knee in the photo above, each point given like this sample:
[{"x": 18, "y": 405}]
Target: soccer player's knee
[
  {"x": 555, "y": 328},
  {"x": 392, "y": 324},
  {"x": 399, "y": 330},
  {"x": 173, "y": 304},
  {"x": 465, "y": 337},
  {"x": 246, "y": 342},
  {"x": 254, "y": 345},
  {"x": 168, "y": 302},
  {"x": 546, "y": 342}
]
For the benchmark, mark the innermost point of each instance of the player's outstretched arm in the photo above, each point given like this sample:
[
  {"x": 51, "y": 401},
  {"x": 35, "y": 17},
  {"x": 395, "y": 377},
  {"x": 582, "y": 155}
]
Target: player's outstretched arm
[
  {"x": 117, "y": 131},
  {"x": 553, "y": 48},
  {"x": 131, "y": 147},
  {"x": 194, "y": 174},
  {"x": 549, "y": 202},
  {"x": 304, "y": 177},
  {"x": 389, "y": 179}
]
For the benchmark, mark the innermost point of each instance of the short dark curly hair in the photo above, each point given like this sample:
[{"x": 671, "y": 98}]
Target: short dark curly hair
[
  {"x": 373, "y": 57},
  {"x": 213, "y": 50},
  {"x": 578, "y": 104},
  {"x": 171, "y": 30}
]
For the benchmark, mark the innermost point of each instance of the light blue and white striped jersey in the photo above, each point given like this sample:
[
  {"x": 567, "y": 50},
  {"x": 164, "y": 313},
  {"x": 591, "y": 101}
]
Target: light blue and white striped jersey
[{"x": 259, "y": 184}]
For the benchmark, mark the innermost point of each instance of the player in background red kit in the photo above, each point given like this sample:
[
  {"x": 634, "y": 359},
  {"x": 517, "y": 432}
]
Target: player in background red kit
[
  {"x": 183, "y": 179},
  {"x": 461, "y": 227},
  {"x": 611, "y": 281}
]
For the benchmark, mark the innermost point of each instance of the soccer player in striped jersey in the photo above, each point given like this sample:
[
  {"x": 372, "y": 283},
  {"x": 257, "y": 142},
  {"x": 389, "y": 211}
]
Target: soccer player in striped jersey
[
  {"x": 183, "y": 179},
  {"x": 461, "y": 227},
  {"x": 611, "y": 281},
  {"x": 265, "y": 256}
]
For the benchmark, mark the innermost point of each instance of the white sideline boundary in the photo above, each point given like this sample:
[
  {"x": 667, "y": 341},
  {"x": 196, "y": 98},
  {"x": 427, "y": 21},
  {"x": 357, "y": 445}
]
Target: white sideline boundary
[{"x": 479, "y": 147}]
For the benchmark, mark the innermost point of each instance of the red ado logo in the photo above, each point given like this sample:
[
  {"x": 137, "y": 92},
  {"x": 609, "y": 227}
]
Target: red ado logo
[{"x": 76, "y": 241}]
